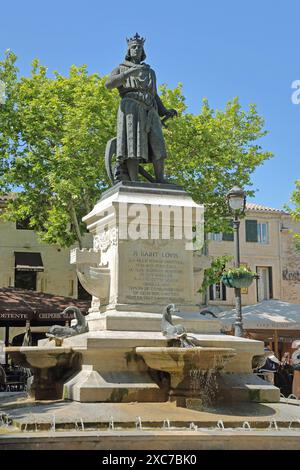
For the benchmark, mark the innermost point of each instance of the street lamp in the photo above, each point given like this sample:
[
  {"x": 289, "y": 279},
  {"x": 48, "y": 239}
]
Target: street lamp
[{"x": 236, "y": 199}]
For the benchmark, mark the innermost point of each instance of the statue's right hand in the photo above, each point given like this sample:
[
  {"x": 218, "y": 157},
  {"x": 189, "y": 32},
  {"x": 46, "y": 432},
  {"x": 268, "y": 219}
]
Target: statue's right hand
[{"x": 132, "y": 72}]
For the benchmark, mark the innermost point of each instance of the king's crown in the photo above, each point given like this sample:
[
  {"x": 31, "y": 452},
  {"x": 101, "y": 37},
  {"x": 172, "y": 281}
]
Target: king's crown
[{"x": 136, "y": 39}]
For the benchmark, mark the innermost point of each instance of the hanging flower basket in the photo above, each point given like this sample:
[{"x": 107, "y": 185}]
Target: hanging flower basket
[{"x": 238, "y": 277}]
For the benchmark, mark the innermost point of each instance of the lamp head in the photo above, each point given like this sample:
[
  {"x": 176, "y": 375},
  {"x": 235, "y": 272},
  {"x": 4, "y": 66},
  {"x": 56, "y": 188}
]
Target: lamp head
[{"x": 236, "y": 199}]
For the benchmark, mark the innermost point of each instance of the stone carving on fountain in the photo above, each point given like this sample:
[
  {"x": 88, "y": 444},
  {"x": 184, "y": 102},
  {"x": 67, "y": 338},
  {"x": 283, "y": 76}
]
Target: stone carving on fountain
[
  {"x": 104, "y": 240},
  {"x": 59, "y": 332},
  {"x": 94, "y": 277},
  {"x": 176, "y": 334}
]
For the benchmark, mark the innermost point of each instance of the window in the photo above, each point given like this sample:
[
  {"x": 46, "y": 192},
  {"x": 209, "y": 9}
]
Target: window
[
  {"x": 216, "y": 237},
  {"x": 251, "y": 231},
  {"x": 23, "y": 224},
  {"x": 217, "y": 291},
  {"x": 25, "y": 279},
  {"x": 27, "y": 264},
  {"x": 257, "y": 232},
  {"x": 263, "y": 232},
  {"x": 227, "y": 236}
]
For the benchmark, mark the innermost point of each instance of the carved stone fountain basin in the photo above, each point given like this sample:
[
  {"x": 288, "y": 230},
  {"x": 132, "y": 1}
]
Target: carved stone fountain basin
[
  {"x": 179, "y": 362},
  {"x": 40, "y": 357}
]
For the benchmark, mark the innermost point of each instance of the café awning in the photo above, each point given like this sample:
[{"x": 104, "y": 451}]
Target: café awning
[
  {"x": 28, "y": 261},
  {"x": 19, "y": 305},
  {"x": 265, "y": 315}
]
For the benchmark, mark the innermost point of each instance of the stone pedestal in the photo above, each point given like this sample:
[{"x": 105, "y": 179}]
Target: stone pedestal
[{"x": 142, "y": 256}]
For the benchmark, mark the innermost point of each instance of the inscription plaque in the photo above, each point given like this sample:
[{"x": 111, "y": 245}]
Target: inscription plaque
[{"x": 155, "y": 272}]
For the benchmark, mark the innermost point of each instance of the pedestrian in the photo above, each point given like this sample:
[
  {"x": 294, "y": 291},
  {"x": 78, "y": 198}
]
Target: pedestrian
[
  {"x": 2, "y": 379},
  {"x": 296, "y": 367},
  {"x": 284, "y": 375},
  {"x": 270, "y": 367}
]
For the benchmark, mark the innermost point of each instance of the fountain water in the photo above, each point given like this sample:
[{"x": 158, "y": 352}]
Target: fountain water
[
  {"x": 204, "y": 384},
  {"x": 193, "y": 427},
  {"x": 111, "y": 423},
  {"x": 53, "y": 425},
  {"x": 273, "y": 424},
  {"x": 4, "y": 420},
  {"x": 292, "y": 397},
  {"x": 166, "y": 424},
  {"x": 220, "y": 425},
  {"x": 246, "y": 426},
  {"x": 138, "y": 423},
  {"x": 297, "y": 421}
]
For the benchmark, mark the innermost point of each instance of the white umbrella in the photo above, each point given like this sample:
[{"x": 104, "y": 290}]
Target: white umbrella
[{"x": 266, "y": 315}]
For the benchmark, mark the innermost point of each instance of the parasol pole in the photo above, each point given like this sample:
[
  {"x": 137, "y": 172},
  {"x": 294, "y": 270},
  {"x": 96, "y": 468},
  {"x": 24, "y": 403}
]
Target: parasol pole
[
  {"x": 276, "y": 352},
  {"x": 6, "y": 342}
]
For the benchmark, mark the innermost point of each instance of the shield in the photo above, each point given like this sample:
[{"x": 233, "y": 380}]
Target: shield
[
  {"x": 110, "y": 162},
  {"x": 110, "y": 153}
]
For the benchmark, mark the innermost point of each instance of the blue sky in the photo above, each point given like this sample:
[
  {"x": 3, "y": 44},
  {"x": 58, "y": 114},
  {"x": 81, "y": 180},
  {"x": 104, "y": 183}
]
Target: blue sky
[{"x": 217, "y": 49}]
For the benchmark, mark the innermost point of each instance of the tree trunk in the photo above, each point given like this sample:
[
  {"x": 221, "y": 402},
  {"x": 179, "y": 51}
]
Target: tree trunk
[
  {"x": 87, "y": 204},
  {"x": 76, "y": 224}
]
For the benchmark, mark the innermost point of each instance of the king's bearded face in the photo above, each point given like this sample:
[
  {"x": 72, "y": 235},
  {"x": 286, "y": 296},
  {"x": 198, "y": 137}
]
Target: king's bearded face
[{"x": 136, "y": 51}]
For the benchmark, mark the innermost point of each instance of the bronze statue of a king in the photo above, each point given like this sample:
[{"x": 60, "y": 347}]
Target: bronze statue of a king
[{"x": 139, "y": 128}]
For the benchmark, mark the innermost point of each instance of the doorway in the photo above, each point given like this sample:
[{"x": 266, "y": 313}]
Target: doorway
[{"x": 264, "y": 283}]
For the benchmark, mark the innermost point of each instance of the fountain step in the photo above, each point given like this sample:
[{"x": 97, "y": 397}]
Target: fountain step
[
  {"x": 247, "y": 388},
  {"x": 91, "y": 386},
  {"x": 160, "y": 439}
]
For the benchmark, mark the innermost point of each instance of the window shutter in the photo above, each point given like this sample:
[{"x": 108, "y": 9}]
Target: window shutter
[
  {"x": 211, "y": 293},
  {"x": 227, "y": 237},
  {"x": 223, "y": 291},
  {"x": 270, "y": 282},
  {"x": 251, "y": 230}
]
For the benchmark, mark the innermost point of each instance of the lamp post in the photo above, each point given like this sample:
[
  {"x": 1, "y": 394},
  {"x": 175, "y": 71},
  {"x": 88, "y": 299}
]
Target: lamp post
[{"x": 237, "y": 202}]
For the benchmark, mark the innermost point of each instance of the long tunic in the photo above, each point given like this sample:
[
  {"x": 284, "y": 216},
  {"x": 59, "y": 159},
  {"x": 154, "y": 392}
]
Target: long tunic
[{"x": 139, "y": 129}]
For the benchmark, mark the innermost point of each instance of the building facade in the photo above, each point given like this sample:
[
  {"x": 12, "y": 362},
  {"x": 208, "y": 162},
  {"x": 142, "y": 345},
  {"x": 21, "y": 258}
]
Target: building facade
[
  {"x": 266, "y": 247},
  {"x": 28, "y": 263}
]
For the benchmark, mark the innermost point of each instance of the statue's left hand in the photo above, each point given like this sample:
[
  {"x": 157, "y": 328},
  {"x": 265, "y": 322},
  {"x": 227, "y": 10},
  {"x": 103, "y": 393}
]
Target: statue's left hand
[{"x": 171, "y": 113}]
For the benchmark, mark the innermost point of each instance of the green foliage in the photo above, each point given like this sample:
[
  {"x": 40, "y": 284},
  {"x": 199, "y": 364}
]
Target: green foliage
[
  {"x": 238, "y": 272},
  {"x": 53, "y": 132},
  {"x": 213, "y": 151},
  {"x": 213, "y": 274},
  {"x": 52, "y": 142},
  {"x": 295, "y": 212}
]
